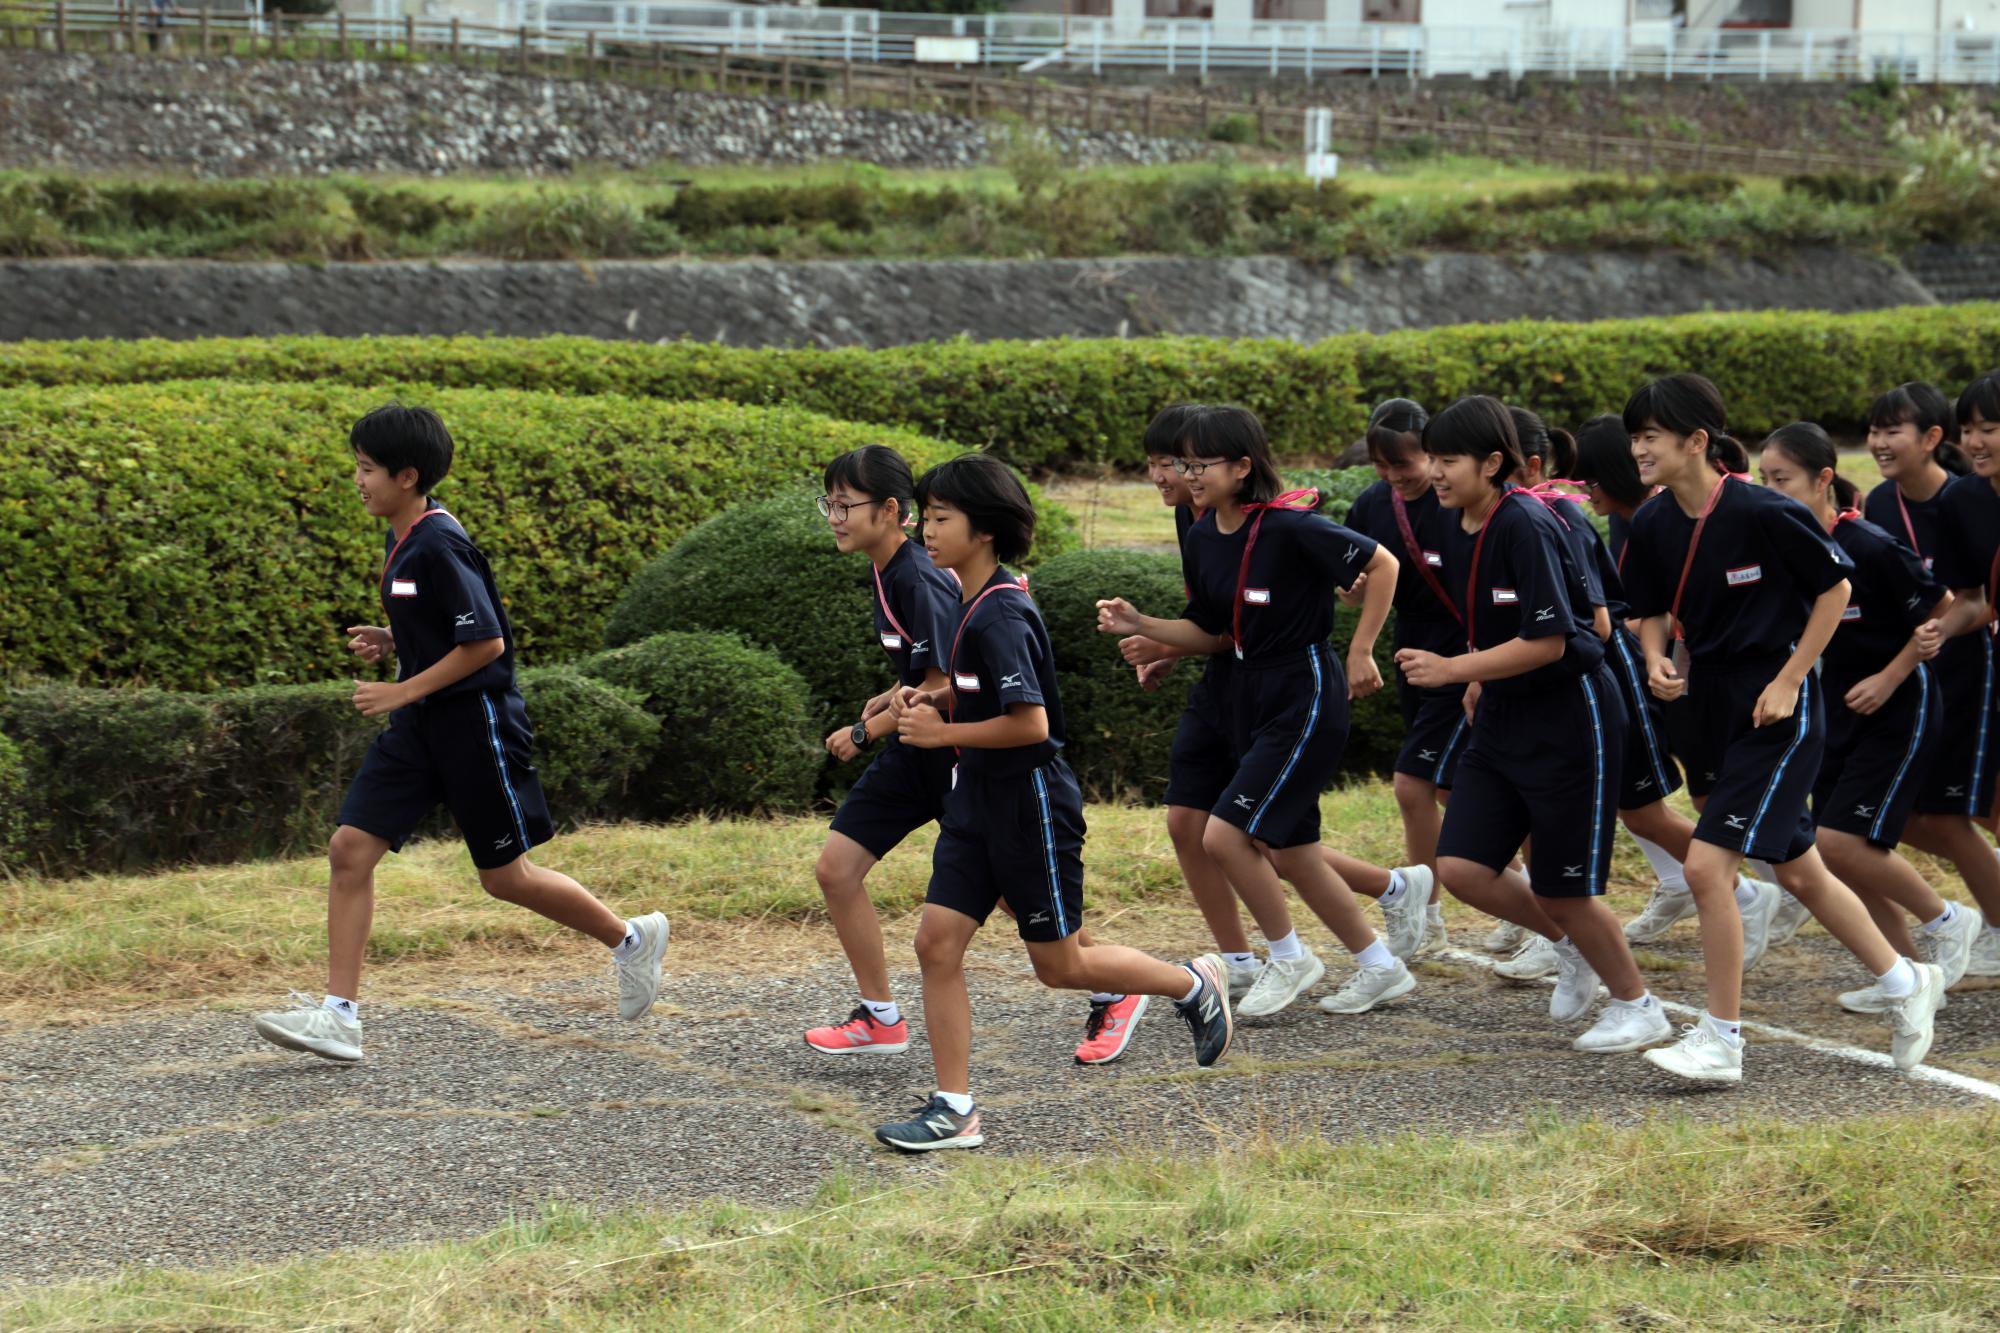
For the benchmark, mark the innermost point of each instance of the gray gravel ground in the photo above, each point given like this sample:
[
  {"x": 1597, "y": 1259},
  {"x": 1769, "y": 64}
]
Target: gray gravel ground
[{"x": 181, "y": 1139}]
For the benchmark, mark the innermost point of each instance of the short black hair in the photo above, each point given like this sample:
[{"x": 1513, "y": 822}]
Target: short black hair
[
  {"x": 1684, "y": 404},
  {"x": 1604, "y": 457},
  {"x": 1806, "y": 444},
  {"x": 398, "y": 437},
  {"x": 990, "y": 496},
  {"x": 877, "y": 471},
  {"x": 1164, "y": 432},
  {"x": 1981, "y": 397},
  {"x": 1923, "y": 406},
  {"x": 1394, "y": 421},
  {"x": 1477, "y": 426},
  {"x": 1229, "y": 432}
]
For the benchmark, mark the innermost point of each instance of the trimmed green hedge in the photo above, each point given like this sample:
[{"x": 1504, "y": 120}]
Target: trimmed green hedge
[
  {"x": 1072, "y": 402},
  {"x": 194, "y": 535},
  {"x": 13, "y": 802},
  {"x": 125, "y": 779}
]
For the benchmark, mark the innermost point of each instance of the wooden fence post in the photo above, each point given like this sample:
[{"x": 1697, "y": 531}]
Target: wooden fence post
[
  {"x": 910, "y": 90},
  {"x": 454, "y": 39},
  {"x": 1090, "y": 108},
  {"x": 659, "y": 61},
  {"x": 409, "y": 34},
  {"x": 847, "y": 83},
  {"x": 339, "y": 32},
  {"x": 1146, "y": 116},
  {"x": 785, "y": 74},
  {"x": 62, "y": 26},
  {"x": 132, "y": 25},
  {"x": 590, "y": 54},
  {"x": 524, "y": 48},
  {"x": 722, "y": 69}
]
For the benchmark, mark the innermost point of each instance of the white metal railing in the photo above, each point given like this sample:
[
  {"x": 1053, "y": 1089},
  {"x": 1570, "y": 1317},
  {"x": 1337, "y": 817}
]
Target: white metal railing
[{"x": 1646, "y": 49}]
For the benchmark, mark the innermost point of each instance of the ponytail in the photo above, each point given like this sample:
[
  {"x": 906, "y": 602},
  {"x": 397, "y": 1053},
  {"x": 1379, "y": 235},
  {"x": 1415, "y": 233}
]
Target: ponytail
[
  {"x": 1562, "y": 452},
  {"x": 1921, "y": 405},
  {"x": 1725, "y": 454},
  {"x": 1809, "y": 446}
]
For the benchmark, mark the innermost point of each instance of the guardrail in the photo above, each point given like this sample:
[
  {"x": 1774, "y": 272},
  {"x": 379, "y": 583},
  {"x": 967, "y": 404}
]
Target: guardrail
[{"x": 67, "y": 27}]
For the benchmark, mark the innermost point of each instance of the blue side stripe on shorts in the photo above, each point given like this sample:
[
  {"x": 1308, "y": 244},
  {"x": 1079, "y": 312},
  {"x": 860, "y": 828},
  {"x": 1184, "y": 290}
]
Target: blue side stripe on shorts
[
  {"x": 1450, "y": 748},
  {"x": 1599, "y": 778},
  {"x": 1804, "y": 716},
  {"x": 1049, "y": 851},
  {"x": 500, "y": 760},
  {"x": 1909, "y": 755},
  {"x": 1637, "y": 681},
  {"x": 1312, "y": 721},
  {"x": 1976, "y": 779}
]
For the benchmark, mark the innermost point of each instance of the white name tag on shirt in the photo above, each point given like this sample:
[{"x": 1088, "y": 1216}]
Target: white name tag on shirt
[
  {"x": 402, "y": 587},
  {"x": 1434, "y": 559},
  {"x": 1744, "y": 574},
  {"x": 1851, "y": 613},
  {"x": 1504, "y": 597},
  {"x": 893, "y": 642},
  {"x": 963, "y": 681},
  {"x": 1257, "y": 596}
]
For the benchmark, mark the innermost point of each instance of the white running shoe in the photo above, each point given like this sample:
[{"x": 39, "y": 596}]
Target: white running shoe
[
  {"x": 1785, "y": 923},
  {"x": 1368, "y": 987},
  {"x": 1436, "y": 939},
  {"x": 1531, "y": 962},
  {"x": 1913, "y": 1018},
  {"x": 1757, "y": 919},
  {"x": 1403, "y": 920},
  {"x": 1242, "y": 976},
  {"x": 312, "y": 1028},
  {"x": 1666, "y": 909},
  {"x": 1702, "y": 1055},
  {"x": 1625, "y": 1025},
  {"x": 1951, "y": 947},
  {"x": 1868, "y": 1000},
  {"x": 1985, "y": 960},
  {"x": 639, "y": 975},
  {"x": 1576, "y": 984},
  {"x": 1505, "y": 937},
  {"x": 1281, "y": 981}
]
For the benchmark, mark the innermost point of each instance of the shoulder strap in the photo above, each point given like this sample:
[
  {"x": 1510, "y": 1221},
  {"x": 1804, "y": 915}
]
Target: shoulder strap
[
  {"x": 1416, "y": 551},
  {"x": 1694, "y": 541},
  {"x": 1472, "y": 576},
  {"x": 951, "y": 661}
]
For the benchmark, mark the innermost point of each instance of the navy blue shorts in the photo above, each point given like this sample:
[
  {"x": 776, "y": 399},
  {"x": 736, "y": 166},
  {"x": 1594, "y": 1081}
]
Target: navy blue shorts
[
  {"x": 1203, "y": 757},
  {"x": 1544, "y": 766},
  {"x": 902, "y": 789},
  {"x": 1875, "y": 763},
  {"x": 1434, "y": 731},
  {"x": 1764, "y": 775},
  {"x": 1650, "y": 773},
  {"x": 1960, "y": 780},
  {"x": 1019, "y": 838},
  {"x": 469, "y": 753},
  {"x": 1295, "y": 715}
]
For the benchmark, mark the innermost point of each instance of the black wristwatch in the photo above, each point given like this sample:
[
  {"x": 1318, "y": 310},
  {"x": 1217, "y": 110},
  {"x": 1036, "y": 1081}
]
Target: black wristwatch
[{"x": 862, "y": 740}]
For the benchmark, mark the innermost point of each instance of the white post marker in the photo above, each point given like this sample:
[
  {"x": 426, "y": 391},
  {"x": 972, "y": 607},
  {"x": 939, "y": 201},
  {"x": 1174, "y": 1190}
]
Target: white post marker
[{"x": 1322, "y": 163}]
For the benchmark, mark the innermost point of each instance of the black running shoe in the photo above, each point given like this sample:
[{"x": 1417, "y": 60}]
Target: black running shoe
[
  {"x": 1207, "y": 1014},
  {"x": 935, "y": 1125}
]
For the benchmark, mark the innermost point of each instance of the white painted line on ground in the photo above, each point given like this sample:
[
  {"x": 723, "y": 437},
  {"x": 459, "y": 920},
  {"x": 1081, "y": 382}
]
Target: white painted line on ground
[{"x": 1860, "y": 1055}]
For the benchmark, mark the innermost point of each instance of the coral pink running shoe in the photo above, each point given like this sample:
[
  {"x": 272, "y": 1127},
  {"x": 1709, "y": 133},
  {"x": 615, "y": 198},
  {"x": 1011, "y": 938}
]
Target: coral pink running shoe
[
  {"x": 861, "y": 1035},
  {"x": 1108, "y": 1030}
]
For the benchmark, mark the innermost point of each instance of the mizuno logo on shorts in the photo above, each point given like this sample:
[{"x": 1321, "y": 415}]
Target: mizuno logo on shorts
[
  {"x": 1864, "y": 811},
  {"x": 1427, "y": 755},
  {"x": 1504, "y": 597},
  {"x": 1245, "y": 803},
  {"x": 1572, "y": 872},
  {"x": 1257, "y": 596},
  {"x": 1039, "y": 919},
  {"x": 966, "y": 682},
  {"x": 1743, "y": 574},
  {"x": 1735, "y": 821}
]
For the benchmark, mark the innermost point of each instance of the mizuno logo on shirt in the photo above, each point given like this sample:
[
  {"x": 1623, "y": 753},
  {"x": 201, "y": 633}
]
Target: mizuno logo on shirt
[
  {"x": 1352, "y": 551},
  {"x": 1546, "y": 613},
  {"x": 1743, "y": 574},
  {"x": 402, "y": 587},
  {"x": 464, "y": 619},
  {"x": 1257, "y": 596},
  {"x": 1011, "y": 682},
  {"x": 892, "y": 642},
  {"x": 963, "y": 681},
  {"x": 920, "y": 645},
  {"x": 1504, "y": 597}
]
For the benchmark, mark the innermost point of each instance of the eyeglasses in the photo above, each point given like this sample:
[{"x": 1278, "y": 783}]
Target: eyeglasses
[
  {"x": 838, "y": 510},
  {"x": 1194, "y": 467}
]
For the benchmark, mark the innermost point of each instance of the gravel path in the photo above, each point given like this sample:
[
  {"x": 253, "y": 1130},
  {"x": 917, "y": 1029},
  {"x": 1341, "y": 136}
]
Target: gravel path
[{"x": 181, "y": 1139}]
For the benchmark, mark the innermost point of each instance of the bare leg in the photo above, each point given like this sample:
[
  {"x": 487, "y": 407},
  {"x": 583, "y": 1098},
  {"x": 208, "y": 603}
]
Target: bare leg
[
  {"x": 1834, "y": 906},
  {"x": 1600, "y": 938},
  {"x": 1325, "y": 893},
  {"x": 1662, "y": 824},
  {"x": 1500, "y": 893},
  {"x": 1887, "y": 885},
  {"x": 1954, "y": 838},
  {"x": 1205, "y": 880},
  {"x": 1067, "y": 964},
  {"x": 552, "y": 894},
  {"x": 1370, "y": 881},
  {"x": 1255, "y": 881},
  {"x": 1711, "y": 877},
  {"x": 352, "y": 856},
  {"x": 942, "y": 938},
  {"x": 1423, "y": 820},
  {"x": 842, "y": 873}
]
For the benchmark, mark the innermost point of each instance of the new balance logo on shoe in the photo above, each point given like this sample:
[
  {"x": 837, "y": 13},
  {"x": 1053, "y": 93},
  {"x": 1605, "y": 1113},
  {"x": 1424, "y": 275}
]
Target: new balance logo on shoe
[
  {"x": 1245, "y": 803},
  {"x": 942, "y": 1124}
]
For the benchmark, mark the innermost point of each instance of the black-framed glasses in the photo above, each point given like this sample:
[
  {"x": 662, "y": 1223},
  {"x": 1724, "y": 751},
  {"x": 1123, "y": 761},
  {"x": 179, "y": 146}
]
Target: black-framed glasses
[
  {"x": 838, "y": 510},
  {"x": 1194, "y": 467}
]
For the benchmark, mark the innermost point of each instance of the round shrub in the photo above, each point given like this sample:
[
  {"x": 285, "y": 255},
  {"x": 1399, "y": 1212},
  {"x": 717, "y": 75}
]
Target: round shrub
[
  {"x": 593, "y": 740},
  {"x": 734, "y": 733}
]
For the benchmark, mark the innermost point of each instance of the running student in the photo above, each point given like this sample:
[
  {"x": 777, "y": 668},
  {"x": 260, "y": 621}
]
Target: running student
[
  {"x": 867, "y": 502},
  {"x": 1260, "y": 578},
  {"x": 1885, "y": 714},
  {"x": 1739, "y": 589},
  {"x": 1203, "y": 757},
  {"x": 1013, "y": 818},
  {"x": 458, "y": 736},
  {"x": 1548, "y": 728},
  {"x": 1913, "y": 433}
]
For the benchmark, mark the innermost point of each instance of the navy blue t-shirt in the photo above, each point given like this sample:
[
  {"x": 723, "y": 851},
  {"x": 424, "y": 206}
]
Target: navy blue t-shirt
[
  {"x": 1968, "y": 534},
  {"x": 1920, "y": 532},
  {"x": 438, "y": 591},
  {"x": 1422, "y": 621},
  {"x": 997, "y": 656},
  {"x": 1763, "y": 560},
  {"x": 1528, "y": 586},
  {"x": 1288, "y": 595},
  {"x": 1215, "y": 669},
  {"x": 922, "y": 609},
  {"x": 1890, "y": 593},
  {"x": 1580, "y": 540}
]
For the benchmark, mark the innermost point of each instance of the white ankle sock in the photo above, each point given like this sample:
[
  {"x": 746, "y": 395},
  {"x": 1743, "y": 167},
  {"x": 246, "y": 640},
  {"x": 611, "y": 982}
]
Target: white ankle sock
[
  {"x": 1287, "y": 949},
  {"x": 628, "y": 946},
  {"x": 884, "y": 1012},
  {"x": 959, "y": 1102},
  {"x": 1729, "y": 1029},
  {"x": 1900, "y": 981},
  {"x": 1101, "y": 997},
  {"x": 1239, "y": 959},
  {"x": 346, "y": 1008},
  {"x": 1395, "y": 889},
  {"x": 1665, "y": 868},
  {"x": 1944, "y": 919},
  {"x": 1375, "y": 955},
  {"x": 1195, "y": 977},
  {"x": 1644, "y": 1000},
  {"x": 1746, "y": 892}
]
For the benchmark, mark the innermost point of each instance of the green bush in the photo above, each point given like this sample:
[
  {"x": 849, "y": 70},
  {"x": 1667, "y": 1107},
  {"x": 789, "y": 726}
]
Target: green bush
[
  {"x": 13, "y": 804},
  {"x": 195, "y": 535},
  {"x": 1337, "y": 487},
  {"x": 1845, "y": 186},
  {"x": 127, "y": 779},
  {"x": 1071, "y": 403},
  {"x": 735, "y": 730}
]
